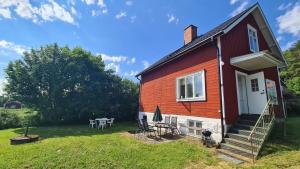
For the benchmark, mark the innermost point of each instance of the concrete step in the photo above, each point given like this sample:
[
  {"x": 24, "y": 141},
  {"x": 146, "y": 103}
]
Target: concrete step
[
  {"x": 253, "y": 117},
  {"x": 238, "y": 150},
  {"x": 238, "y": 143},
  {"x": 246, "y": 122},
  {"x": 246, "y": 132},
  {"x": 229, "y": 153},
  {"x": 247, "y": 127},
  {"x": 240, "y": 137}
]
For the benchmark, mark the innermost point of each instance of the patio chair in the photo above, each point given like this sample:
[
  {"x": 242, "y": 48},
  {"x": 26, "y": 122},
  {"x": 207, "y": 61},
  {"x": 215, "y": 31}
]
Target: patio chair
[
  {"x": 167, "y": 121},
  {"x": 148, "y": 128},
  {"x": 111, "y": 121},
  {"x": 92, "y": 123},
  {"x": 173, "y": 126},
  {"x": 102, "y": 124},
  {"x": 140, "y": 128}
]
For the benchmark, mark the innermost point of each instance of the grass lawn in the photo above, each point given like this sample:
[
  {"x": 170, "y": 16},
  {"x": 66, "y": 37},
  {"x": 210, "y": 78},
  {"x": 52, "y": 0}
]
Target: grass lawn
[{"x": 81, "y": 147}]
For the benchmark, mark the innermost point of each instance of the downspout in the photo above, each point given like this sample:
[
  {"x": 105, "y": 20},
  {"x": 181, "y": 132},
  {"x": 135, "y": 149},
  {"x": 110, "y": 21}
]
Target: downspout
[
  {"x": 220, "y": 74},
  {"x": 138, "y": 113}
]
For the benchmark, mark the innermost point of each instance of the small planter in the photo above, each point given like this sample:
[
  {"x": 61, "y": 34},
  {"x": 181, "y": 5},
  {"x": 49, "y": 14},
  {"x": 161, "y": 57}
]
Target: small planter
[{"x": 23, "y": 139}]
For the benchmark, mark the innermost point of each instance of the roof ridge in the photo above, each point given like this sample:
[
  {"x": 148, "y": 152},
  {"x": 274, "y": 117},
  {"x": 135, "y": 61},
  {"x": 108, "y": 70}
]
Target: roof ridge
[{"x": 212, "y": 32}]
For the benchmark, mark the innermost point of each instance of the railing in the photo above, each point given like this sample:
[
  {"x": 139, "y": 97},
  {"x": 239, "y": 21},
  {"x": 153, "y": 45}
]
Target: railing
[{"x": 262, "y": 128}]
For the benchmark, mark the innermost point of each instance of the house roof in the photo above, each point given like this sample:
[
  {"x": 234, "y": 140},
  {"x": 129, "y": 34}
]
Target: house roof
[{"x": 220, "y": 29}]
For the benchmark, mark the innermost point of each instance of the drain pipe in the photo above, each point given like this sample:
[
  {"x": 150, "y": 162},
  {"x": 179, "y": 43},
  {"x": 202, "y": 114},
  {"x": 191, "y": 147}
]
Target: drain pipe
[
  {"x": 220, "y": 86},
  {"x": 138, "y": 113}
]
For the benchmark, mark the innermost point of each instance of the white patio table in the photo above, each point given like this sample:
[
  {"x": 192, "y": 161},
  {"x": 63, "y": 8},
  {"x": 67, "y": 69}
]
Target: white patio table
[{"x": 101, "y": 119}]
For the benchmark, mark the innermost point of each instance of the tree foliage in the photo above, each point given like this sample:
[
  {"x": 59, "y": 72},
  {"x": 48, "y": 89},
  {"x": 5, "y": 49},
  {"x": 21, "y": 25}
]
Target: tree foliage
[
  {"x": 291, "y": 75},
  {"x": 70, "y": 85}
]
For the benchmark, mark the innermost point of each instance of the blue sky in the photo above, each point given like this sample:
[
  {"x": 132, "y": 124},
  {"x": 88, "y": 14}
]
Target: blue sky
[{"x": 131, "y": 34}]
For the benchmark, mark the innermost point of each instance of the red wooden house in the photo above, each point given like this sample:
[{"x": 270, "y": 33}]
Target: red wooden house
[{"x": 216, "y": 78}]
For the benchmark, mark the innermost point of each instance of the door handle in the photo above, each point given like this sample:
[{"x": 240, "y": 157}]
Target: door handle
[{"x": 263, "y": 92}]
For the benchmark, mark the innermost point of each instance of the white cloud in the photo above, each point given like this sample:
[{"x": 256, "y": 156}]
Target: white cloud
[
  {"x": 132, "y": 19},
  {"x": 113, "y": 66},
  {"x": 284, "y": 6},
  {"x": 129, "y": 3},
  {"x": 89, "y": 2},
  {"x": 279, "y": 38},
  {"x": 73, "y": 10},
  {"x": 49, "y": 11},
  {"x": 113, "y": 58},
  {"x": 146, "y": 64},
  {"x": 131, "y": 61},
  {"x": 289, "y": 22},
  {"x": 121, "y": 15},
  {"x": 101, "y": 3},
  {"x": 288, "y": 45},
  {"x": 5, "y": 13},
  {"x": 240, "y": 8},
  {"x": 172, "y": 18},
  {"x": 131, "y": 73},
  {"x": 232, "y": 2},
  {"x": 19, "y": 49},
  {"x": 3, "y": 82}
]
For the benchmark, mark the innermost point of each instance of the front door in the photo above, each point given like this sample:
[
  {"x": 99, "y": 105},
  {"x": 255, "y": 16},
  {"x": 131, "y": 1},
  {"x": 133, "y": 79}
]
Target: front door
[{"x": 257, "y": 98}]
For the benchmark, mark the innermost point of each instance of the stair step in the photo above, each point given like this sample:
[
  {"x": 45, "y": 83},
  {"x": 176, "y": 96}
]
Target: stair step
[
  {"x": 246, "y": 132},
  {"x": 238, "y": 150},
  {"x": 239, "y": 143},
  {"x": 247, "y": 122},
  {"x": 247, "y": 127},
  {"x": 249, "y": 117},
  {"x": 240, "y": 137},
  {"x": 229, "y": 153}
]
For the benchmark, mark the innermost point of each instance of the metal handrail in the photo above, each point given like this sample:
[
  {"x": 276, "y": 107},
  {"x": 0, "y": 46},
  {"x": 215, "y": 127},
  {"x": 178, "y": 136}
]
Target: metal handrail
[
  {"x": 259, "y": 119},
  {"x": 265, "y": 121}
]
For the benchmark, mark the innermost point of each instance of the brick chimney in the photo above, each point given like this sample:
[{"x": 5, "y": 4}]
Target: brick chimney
[{"x": 190, "y": 33}]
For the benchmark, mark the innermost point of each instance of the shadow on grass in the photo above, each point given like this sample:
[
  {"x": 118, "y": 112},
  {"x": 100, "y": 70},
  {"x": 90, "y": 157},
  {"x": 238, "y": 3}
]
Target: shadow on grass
[
  {"x": 75, "y": 130},
  {"x": 277, "y": 142}
]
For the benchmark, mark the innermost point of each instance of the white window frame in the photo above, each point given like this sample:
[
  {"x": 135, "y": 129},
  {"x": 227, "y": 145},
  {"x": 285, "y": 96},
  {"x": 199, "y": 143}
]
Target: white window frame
[
  {"x": 195, "y": 128},
  {"x": 201, "y": 98},
  {"x": 255, "y": 31}
]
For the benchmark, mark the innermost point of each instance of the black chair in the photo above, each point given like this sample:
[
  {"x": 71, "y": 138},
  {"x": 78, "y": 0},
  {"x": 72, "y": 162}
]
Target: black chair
[
  {"x": 140, "y": 128},
  {"x": 148, "y": 128},
  {"x": 173, "y": 125}
]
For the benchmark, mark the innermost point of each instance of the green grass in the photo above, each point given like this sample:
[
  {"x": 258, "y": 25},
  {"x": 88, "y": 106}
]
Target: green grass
[{"x": 81, "y": 147}]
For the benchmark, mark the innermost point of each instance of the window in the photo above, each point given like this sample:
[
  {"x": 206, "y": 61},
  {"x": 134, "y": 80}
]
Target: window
[
  {"x": 254, "y": 85},
  {"x": 271, "y": 91},
  {"x": 195, "y": 128},
  {"x": 253, "y": 41},
  {"x": 191, "y": 87}
]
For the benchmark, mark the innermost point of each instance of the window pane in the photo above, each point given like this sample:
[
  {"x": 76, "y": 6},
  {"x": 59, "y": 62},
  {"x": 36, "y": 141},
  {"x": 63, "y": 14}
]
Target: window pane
[
  {"x": 191, "y": 131},
  {"x": 189, "y": 84},
  {"x": 254, "y": 85},
  {"x": 198, "y": 85},
  {"x": 198, "y": 132},
  {"x": 199, "y": 124},
  {"x": 181, "y": 89},
  {"x": 191, "y": 124}
]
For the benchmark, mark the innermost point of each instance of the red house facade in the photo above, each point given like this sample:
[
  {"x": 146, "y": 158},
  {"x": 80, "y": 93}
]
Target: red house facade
[{"x": 216, "y": 77}]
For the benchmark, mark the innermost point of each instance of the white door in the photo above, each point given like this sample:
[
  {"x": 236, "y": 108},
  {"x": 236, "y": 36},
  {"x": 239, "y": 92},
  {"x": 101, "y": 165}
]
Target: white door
[
  {"x": 242, "y": 93},
  {"x": 257, "y": 98}
]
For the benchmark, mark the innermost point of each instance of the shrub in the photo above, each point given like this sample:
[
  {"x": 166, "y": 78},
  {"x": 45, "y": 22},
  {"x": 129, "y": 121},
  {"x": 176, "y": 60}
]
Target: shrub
[{"x": 9, "y": 120}]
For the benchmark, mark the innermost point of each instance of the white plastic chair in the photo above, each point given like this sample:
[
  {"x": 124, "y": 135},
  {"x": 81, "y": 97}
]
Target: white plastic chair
[
  {"x": 102, "y": 124},
  {"x": 111, "y": 121},
  {"x": 92, "y": 123}
]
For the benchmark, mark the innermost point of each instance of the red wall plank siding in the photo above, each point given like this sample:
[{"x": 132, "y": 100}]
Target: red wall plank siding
[
  {"x": 236, "y": 43},
  {"x": 158, "y": 87}
]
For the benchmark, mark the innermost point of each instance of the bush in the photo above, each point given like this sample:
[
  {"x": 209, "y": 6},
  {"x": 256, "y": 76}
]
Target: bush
[{"x": 9, "y": 120}]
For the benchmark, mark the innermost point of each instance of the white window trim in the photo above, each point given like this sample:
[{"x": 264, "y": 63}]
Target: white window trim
[
  {"x": 255, "y": 31},
  {"x": 201, "y": 98}
]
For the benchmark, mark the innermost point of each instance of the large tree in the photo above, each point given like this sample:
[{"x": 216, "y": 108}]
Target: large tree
[
  {"x": 291, "y": 75},
  {"x": 70, "y": 85}
]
